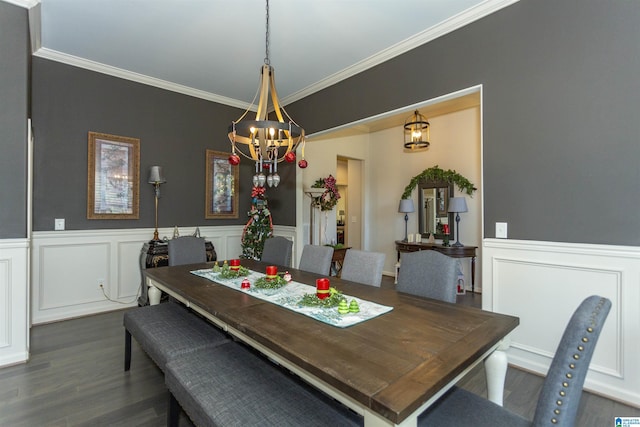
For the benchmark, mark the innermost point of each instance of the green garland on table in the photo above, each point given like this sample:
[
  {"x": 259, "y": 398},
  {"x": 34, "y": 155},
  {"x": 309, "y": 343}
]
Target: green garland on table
[
  {"x": 312, "y": 300},
  {"x": 266, "y": 283},
  {"x": 437, "y": 174}
]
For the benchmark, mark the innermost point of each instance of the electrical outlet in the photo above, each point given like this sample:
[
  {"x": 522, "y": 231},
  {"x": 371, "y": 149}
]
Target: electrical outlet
[
  {"x": 100, "y": 283},
  {"x": 501, "y": 230},
  {"x": 58, "y": 224}
]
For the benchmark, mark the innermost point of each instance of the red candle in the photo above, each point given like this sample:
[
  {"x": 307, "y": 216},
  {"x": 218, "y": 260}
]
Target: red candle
[
  {"x": 272, "y": 271},
  {"x": 234, "y": 264},
  {"x": 322, "y": 288},
  {"x": 445, "y": 228}
]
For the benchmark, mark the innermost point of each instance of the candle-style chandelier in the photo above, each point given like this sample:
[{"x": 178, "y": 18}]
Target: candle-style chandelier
[{"x": 267, "y": 142}]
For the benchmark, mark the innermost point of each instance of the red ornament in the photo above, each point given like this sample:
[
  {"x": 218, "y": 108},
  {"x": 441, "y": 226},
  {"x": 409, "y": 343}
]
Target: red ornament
[
  {"x": 290, "y": 157},
  {"x": 303, "y": 164},
  {"x": 234, "y": 160}
]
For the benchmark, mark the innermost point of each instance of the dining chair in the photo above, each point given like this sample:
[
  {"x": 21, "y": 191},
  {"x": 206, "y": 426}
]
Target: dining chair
[
  {"x": 363, "y": 267},
  {"x": 187, "y": 250},
  {"x": 277, "y": 250},
  {"x": 559, "y": 398},
  {"x": 428, "y": 274},
  {"x": 316, "y": 259}
]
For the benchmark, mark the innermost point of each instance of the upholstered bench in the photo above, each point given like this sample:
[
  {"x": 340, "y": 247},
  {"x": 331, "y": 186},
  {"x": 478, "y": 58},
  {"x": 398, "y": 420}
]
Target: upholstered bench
[
  {"x": 231, "y": 385},
  {"x": 168, "y": 330}
]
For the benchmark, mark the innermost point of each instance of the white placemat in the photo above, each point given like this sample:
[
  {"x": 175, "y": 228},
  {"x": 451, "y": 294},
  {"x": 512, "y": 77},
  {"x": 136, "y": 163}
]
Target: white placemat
[{"x": 289, "y": 297}]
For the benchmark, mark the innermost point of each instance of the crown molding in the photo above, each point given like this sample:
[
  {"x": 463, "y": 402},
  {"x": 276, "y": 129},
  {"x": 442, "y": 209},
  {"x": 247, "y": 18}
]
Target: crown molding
[
  {"x": 136, "y": 77},
  {"x": 27, "y": 4},
  {"x": 455, "y": 22}
]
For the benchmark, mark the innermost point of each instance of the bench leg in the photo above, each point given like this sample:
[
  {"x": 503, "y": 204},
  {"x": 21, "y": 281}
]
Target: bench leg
[
  {"x": 127, "y": 350},
  {"x": 173, "y": 412}
]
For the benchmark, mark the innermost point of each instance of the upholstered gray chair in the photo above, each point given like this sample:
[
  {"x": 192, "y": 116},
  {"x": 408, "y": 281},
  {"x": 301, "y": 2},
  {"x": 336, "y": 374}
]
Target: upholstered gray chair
[
  {"x": 316, "y": 259},
  {"x": 428, "y": 274},
  {"x": 560, "y": 395},
  {"x": 277, "y": 250},
  {"x": 363, "y": 267},
  {"x": 187, "y": 250}
]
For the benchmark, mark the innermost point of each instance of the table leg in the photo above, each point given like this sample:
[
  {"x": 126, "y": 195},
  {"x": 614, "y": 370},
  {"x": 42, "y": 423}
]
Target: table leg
[
  {"x": 496, "y": 370},
  {"x": 473, "y": 274},
  {"x": 154, "y": 295}
]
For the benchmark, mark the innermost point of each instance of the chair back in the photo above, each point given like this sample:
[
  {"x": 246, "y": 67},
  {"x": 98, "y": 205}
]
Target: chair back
[
  {"x": 560, "y": 395},
  {"x": 277, "y": 250},
  {"x": 316, "y": 259},
  {"x": 428, "y": 274},
  {"x": 187, "y": 250},
  {"x": 363, "y": 267}
]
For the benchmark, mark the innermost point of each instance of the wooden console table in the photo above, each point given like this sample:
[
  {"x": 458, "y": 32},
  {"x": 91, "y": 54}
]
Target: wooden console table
[{"x": 452, "y": 251}]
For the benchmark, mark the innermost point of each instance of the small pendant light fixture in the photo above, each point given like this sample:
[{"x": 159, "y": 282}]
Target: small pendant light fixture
[
  {"x": 266, "y": 142},
  {"x": 416, "y": 132}
]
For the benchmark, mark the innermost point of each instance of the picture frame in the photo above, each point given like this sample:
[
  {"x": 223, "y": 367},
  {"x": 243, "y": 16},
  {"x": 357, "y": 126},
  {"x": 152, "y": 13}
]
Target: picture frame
[
  {"x": 113, "y": 177},
  {"x": 221, "y": 199}
]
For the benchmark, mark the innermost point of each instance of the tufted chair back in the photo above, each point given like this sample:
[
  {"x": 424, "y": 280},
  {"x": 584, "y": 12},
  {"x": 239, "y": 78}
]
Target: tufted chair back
[{"x": 560, "y": 396}]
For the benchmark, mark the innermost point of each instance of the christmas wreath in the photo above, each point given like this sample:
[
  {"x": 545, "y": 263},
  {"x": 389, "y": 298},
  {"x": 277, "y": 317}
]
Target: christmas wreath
[
  {"x": 259, "y": 227},
  {"x": 329, "y": 199}
]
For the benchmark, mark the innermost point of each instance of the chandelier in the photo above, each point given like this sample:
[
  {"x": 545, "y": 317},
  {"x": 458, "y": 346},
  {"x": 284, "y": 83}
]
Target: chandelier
[
  {"x": 416, "y": 132},
  {"x": 266, "y": 141}
]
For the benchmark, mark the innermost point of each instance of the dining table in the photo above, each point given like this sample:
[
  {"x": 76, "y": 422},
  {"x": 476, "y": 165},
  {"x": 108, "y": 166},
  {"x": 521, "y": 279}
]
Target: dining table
[{"x": 388, "y": 368}]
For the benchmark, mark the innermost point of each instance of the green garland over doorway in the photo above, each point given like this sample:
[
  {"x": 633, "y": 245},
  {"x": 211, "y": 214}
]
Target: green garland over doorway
[{"x": 436, "y": 174}]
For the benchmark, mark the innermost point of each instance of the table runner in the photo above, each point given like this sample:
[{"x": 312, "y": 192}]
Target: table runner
[{"x": 290, "y": 295}]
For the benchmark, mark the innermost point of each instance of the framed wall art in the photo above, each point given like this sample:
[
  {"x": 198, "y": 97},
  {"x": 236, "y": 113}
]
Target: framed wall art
[
  {"x": 221, "y": 187},
  {"x": 113, "y": 177}
]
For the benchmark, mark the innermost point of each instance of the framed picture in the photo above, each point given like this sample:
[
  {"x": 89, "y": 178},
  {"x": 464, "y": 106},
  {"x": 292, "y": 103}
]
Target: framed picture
[
  {"x": 113, "y": 177},
  {"x": 222, "y": 186}
]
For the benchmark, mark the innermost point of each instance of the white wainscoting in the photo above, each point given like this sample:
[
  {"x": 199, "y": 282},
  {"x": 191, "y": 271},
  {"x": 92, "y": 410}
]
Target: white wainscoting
[
  {"x": 68, "y": 267},
  {"x": 14, "y": 301},
  {"x": 543, "y": 282}
]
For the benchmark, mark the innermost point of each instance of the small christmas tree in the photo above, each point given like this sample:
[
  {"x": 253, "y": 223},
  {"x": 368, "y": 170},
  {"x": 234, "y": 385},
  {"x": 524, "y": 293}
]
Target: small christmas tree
[{"x": 259, "y": 227}]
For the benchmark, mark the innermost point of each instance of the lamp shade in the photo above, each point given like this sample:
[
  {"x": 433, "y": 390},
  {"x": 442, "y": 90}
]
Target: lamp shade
[
  {"x": 406, "y": 206},
  {"x": 156, "y": 176},
  {"x": 457, "y": 204},
  {"x": 341, "y": 212}
]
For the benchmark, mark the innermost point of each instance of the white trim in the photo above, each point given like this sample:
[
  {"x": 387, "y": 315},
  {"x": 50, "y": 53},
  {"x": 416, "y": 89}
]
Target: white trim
[
  {"x": 455, "y": 22},
  {"x": 543, "y": 282},
  {"x": 23, "y": 3}
]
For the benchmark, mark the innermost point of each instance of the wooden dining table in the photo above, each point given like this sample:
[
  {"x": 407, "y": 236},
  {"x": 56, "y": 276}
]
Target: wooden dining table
[{"x": 389, "y": 368}]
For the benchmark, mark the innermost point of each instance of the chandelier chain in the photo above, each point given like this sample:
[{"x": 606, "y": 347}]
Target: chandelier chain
[{"x": 266, "y": 58}]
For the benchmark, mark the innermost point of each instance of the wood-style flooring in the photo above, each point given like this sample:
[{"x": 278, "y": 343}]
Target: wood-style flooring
[{"x": 75, "y": 377}]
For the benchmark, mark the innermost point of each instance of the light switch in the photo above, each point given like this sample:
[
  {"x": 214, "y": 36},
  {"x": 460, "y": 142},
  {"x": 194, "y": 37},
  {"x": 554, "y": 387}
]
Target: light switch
[
  {"x": 501, "y": 230},
  {"x": 59, "y": 224}
]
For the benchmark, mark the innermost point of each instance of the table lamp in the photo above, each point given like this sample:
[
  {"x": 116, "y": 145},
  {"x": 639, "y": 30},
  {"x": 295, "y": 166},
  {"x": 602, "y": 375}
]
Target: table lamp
[
  {"x": 457, "y": 205},
  {"x": 406, "y": 207}
]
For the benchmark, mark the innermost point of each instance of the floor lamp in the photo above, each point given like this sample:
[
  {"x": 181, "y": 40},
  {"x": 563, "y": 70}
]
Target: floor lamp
[
  {"x": 457, "y": 205},
  {"x": 156, "y": 178},
  {"x": 314, "y": 193}
]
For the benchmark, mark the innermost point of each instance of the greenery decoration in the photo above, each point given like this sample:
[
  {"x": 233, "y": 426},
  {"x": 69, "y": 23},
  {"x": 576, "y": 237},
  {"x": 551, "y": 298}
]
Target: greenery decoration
[
  {"x": 266, "y": 283},
  {"x": 227, "y": 273},
  {"x": 329, "y": 199},
  {"x": 259, "y": 227},
  {"x": 312, "y": 300},
  {"x": 437, "y": 174}
]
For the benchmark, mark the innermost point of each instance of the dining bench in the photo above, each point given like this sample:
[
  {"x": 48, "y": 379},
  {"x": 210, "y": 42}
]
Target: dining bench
[
  {"x": 233, "y": 385},
  {"x": 168, "y": 330}
]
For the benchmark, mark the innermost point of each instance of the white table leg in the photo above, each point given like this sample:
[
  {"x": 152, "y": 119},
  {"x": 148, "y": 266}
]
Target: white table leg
[
  {"x": 496, "y": 370},
  {"x": 154, "y": 295}
]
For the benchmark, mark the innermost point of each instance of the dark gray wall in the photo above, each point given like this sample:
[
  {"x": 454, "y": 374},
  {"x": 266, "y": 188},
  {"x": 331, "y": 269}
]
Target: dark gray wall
[
  {"x": 174, "y": 130},
  {"x": 561, "y": 97},
  {"x": 14, "y": 93}
]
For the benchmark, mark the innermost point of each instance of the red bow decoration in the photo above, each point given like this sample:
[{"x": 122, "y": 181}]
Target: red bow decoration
[{"x": 257, "y": 191}]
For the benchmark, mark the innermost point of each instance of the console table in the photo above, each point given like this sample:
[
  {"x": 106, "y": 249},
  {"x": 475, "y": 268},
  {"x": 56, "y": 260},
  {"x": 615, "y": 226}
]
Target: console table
[{"x": 452, "y": 251}]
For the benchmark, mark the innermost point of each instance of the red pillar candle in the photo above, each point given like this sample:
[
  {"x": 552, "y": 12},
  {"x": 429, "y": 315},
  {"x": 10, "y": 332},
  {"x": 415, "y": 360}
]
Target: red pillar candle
[
  {"x": 234, "y": 264},
  {"x": 322, "y": 288},
  {"x": 272, "y": 271}
]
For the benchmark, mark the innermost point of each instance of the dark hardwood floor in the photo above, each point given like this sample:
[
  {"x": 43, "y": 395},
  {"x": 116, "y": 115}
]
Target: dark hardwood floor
[{"x": 75, "y": 378}]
